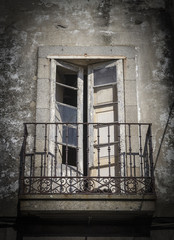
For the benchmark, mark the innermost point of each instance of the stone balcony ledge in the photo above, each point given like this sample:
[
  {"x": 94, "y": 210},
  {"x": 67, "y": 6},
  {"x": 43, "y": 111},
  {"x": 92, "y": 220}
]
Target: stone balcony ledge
[{"x": 86, "y": 203}]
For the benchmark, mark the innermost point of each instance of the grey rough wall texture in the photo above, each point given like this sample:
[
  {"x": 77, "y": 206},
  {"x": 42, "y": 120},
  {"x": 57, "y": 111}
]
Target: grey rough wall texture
[{"x": 25, "y": 25}]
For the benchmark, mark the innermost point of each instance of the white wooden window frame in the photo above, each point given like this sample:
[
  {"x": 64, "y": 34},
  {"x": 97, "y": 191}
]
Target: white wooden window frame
[
  {"x": 118, "y": 63},
  {"x": 120, "y": 92},
  {"x": 79, "y": 71}
]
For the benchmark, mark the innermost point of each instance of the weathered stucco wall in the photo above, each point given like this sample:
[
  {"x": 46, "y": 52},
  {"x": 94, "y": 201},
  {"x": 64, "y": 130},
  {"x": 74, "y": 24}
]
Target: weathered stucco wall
[{"x": 25, "y": 25}]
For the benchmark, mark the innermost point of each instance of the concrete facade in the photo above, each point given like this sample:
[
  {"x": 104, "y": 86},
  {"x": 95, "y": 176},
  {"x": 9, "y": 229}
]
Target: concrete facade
[{"x": 33, "y": 30}]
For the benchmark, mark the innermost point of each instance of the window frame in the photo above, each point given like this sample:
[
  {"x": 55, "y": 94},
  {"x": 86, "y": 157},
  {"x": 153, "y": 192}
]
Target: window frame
[
  {"x": 45, "y": 106},
  {"x": 118, "y": 63}
]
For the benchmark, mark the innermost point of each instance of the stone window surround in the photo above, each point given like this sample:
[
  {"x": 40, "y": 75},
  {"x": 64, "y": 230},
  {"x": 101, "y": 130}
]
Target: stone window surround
[{"x": 46, "y": 55}]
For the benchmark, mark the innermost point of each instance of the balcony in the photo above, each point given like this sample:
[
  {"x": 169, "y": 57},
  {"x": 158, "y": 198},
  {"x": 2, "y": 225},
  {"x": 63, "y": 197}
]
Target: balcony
[
  {"x": 94, "y": 158},
  {"x": 82, "y": 175}
]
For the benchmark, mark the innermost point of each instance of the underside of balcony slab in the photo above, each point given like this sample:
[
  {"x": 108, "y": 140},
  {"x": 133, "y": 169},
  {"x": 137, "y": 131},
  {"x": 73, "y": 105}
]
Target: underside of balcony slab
[{"x": 89, "y": 215}]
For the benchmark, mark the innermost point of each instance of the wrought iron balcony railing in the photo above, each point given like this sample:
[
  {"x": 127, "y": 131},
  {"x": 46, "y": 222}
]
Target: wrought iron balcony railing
[{"x": 87, "y": 158}]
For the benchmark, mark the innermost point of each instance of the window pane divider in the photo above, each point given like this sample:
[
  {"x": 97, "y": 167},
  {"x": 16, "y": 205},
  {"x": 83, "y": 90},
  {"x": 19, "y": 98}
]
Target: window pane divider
[
  {"x": 68, "y": 145},
  {"x": 67, "y": 86},
  {"x": 101, "y": 125},
  {"x": 105, "y": 85},
  {"x": 105, "y": 144},
  {"x": 102, "y": 166},
  {"x": 105, "y": 104},
  {"x": 66, "y": 105},
  {"x": 69, "y": 125}
]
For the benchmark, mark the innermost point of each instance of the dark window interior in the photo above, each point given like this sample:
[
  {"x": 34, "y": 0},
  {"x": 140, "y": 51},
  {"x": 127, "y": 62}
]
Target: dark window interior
[{"x": 71, "y": 156}]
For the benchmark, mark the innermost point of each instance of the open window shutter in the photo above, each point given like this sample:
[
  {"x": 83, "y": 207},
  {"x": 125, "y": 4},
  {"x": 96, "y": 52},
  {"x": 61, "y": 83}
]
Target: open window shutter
[
  {"x": 102, "y": 108},
  {"x": 69, "y": 112}
]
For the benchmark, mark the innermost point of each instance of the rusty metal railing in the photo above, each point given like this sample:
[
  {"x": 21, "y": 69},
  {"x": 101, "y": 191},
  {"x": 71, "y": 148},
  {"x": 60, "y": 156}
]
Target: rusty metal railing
[{"x": 87, "y": 158}]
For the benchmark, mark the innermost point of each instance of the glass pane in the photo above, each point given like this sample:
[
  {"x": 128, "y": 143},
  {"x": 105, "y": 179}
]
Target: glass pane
[
  {"x": 104, "y": 76},
  {"x": 106, "y": 94},
  {"x": 65, "y": 113},
  {"x": 106, "y": 114},
  {"x": 69, "y": 136}
]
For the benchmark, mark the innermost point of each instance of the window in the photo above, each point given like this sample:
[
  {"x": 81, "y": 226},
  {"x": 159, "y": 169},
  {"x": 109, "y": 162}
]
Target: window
[{"x": 87, "y": 94}]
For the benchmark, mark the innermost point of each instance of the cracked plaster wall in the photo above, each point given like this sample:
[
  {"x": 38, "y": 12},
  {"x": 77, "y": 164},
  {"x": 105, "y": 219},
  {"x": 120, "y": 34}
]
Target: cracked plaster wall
[{"x": 25, "y": 25}]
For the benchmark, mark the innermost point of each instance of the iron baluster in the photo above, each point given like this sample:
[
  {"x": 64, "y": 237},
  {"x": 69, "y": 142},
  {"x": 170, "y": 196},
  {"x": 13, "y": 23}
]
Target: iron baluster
[
  {"x": 121, "y": 164},
  {"x": 146, "y": 155},
  {"x": 23, "y": 156},
  {"x": 55, "y": 159},
  {"x": 77, "y": 150},
  {"x": 66, "y": 150},
  {"x": 119, "y": 149},
  {"x": 51, "y": 165},
  {"x": 51, "y": 178},
  {"x": 130, "y": 150},
  {"x": 134, "y": 166},
  {"x": 124, "y": 164},
  {"x": 45, "y": 149},
  {"x": 141, "y": 153},
  {"x": 87, "y": 150},
  {"x": 31, "y": 165},
  {"x": 60, "y": 130},
  {"x": 98, "y": 149},
  {"x": 109, "y": 151},
  {"x": 41, "y": 168},
  {"x": 135, "y": 183},
  {"x": 34, "y": 150},
  {"x": 151, "y": 152},
  {"x": 124, "y": 169},
  {"x": 151, "y": 160}
]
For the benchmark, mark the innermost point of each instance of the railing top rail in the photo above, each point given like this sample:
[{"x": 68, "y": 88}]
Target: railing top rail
[{"x": 85, "y": 123}]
